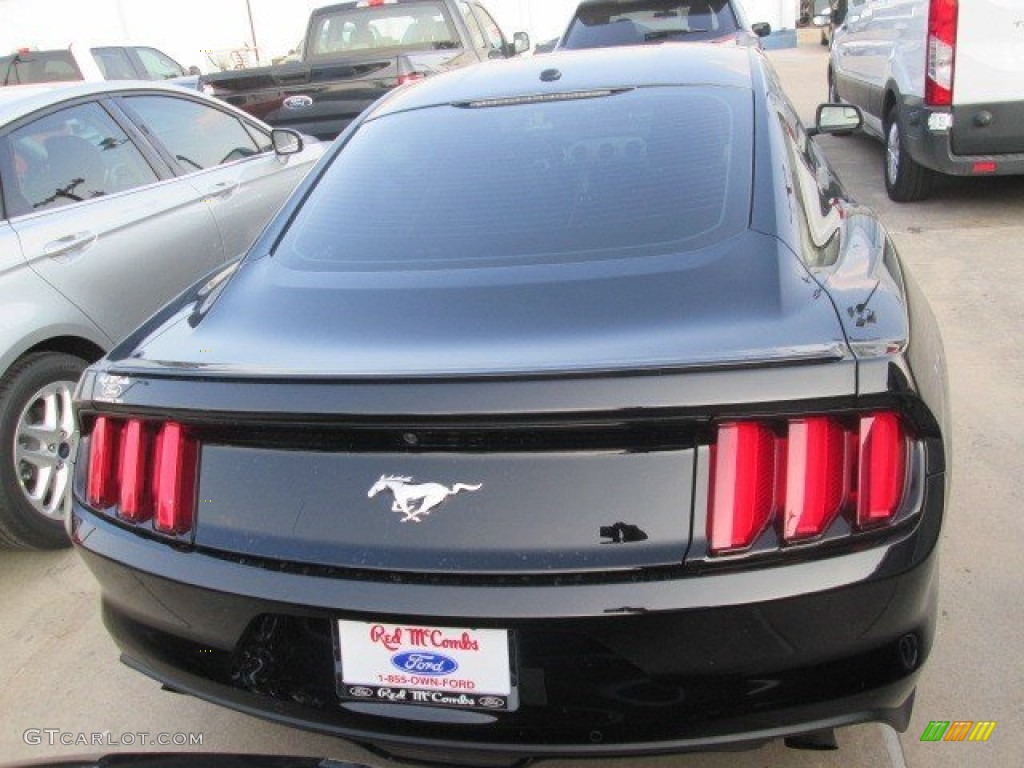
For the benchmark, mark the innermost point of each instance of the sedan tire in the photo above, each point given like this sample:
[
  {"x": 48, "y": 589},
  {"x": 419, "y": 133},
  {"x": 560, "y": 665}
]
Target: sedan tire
[{"x": 36, "y": 427}]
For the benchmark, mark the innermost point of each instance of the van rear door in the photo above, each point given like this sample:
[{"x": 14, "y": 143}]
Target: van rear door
[
  {"x": 990, "y": 52},
  {"x": 988, "y": 102}
]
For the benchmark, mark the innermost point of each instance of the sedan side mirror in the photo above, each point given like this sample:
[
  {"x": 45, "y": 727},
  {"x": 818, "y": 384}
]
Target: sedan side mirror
[
  {"x": 194, "y": 70},
  {"x": 761, "y": 29},
  {"x": 520, "y": 43},
  {"x": 837, "y": 119},
  {"x": 286, "y": 141}
]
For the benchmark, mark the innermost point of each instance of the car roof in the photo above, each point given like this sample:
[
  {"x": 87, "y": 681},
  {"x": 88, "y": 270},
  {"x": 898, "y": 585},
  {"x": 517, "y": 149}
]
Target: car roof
[
  {"x": 727, "y": 66},
  {"x": 19, "y": 100}
]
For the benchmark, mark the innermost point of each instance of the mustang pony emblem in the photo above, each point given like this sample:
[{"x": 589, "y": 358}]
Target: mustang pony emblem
[{"x": 414, "y": 501}]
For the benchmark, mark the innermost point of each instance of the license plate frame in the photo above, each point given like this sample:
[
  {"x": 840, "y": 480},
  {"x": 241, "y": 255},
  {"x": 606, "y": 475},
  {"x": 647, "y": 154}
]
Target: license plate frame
[{"x": 425, "y": 665}]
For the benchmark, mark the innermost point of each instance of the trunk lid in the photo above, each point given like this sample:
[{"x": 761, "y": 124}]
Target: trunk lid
[{"x": 744, "y": 300}]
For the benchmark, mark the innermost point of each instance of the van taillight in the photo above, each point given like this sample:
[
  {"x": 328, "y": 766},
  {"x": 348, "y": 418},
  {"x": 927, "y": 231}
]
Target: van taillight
[
  {"x": 143, "y": 470},
  {"x": 801, "y": 474},
  {"x": 941, "y": 56}
]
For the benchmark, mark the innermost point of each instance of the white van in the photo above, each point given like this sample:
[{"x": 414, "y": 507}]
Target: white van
[{"x": 940, "y": 81}]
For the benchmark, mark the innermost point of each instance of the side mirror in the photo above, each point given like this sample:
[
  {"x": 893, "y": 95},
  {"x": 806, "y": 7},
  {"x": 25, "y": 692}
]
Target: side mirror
[
  {"x": 761, "y": 29},
  {"x": 837, "y": 119},
  {"x": 286, "y": 141},
  {"x": 194, "y": 70},
  {"x": 520, "y": 43}
]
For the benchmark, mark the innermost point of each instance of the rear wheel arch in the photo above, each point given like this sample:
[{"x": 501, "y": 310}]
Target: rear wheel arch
[
  {"x": 76, "y": 346},
  {"x": 35, "y": 416},
  {"x": 889, "y": 103}
]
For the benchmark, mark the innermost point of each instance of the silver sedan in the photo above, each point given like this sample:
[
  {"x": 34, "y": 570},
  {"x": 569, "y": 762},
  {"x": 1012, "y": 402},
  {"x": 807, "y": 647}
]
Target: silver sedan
[{"x": 115, "y": 198}]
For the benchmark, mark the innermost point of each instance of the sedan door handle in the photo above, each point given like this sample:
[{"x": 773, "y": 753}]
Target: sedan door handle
[
  {"x": 68, "y": 244},
  {"x": 222, "y": 190}
]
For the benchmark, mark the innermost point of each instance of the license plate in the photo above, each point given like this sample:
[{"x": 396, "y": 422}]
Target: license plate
[{"x": 425, "y": 666}]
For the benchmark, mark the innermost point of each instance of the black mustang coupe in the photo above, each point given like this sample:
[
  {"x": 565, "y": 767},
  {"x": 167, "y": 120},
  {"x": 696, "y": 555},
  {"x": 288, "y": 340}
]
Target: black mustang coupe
[{"x": 568, "y": 408}]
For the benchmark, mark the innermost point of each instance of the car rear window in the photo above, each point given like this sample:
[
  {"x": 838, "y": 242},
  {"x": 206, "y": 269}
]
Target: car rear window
[
  {"x": 599, "y": 25},
  {"x": 650, "y": 170},
  {"x": 38, "y": 67},
  {"x": 411, "y": 26}
]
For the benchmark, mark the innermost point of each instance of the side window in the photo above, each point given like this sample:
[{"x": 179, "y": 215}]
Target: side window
[
  {"x": 492, "y": 32},
  {"x": 114, "y": 63},
  {"x": 196, "y": 135},
  {"x": 475, "y": 33},
  {"x": 76, "y": 154},
  {"x": 159, "y": 66}
]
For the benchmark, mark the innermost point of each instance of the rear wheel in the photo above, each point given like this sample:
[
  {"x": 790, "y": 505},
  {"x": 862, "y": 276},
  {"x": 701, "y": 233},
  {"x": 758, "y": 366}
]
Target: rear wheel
[
  {"x": 36, "y": 427},
  {"x": 906, "y": 180},
  {"x": 824, "y": 37}
]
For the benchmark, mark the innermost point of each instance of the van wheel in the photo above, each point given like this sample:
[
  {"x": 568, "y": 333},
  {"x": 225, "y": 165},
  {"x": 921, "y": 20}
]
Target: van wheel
[
  {"x": 36, "y": 429},
  {"x": 906, "y": 180},
  {"x": 824, "y": 37}
]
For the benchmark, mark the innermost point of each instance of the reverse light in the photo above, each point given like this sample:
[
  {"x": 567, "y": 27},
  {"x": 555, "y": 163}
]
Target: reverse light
[
  {"x": 940, "y": 64},
  {"x": 801, "y": 474},
  {"x": 144, "y": 470}
]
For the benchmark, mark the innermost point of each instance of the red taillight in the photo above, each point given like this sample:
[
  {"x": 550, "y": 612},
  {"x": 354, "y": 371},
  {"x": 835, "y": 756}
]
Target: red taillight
[
  {"x": 175, "y": 480},
  {"x": 744, "y": 463},
  {"x": 802, "y": 475},
  {"x": 941, "y": 57},
  {"x": 817, "y": 476},
  {"x": 410, "y": 77},
  {"x": 144, "y": 471},
  {"x": 882, "y": 472},
  {"x": 102, "y": 483},
  {"x": 135, "y": 502},
  {"x": 984, "y": 166}
]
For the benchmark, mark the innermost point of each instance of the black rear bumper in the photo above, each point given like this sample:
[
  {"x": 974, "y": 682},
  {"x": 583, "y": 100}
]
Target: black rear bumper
[
  {"x": 711, "y": 661},
  {"x": 984, "y": 139}
]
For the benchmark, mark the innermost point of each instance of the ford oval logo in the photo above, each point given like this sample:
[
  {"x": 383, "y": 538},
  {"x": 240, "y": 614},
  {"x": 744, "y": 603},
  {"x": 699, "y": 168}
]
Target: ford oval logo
[
  {"x": 421, "y": 663},
  {"x": 298, "y": 102}
]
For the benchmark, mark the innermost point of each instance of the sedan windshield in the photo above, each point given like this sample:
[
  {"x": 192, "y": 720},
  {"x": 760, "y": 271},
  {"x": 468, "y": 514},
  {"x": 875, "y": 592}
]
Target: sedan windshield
[
  {"x": 599, "y": 25},
  {"x": 591, "y": 176}
]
